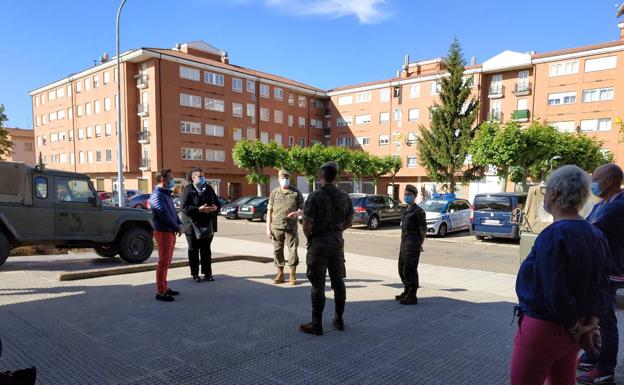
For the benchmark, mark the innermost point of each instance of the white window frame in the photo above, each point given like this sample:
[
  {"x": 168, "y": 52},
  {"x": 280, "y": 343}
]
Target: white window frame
[
  {"x": 214, "y": 155},
  {"x": 414, "y": 91},
  {"x": 384, "y": 95},
  {"x": 384, "y": 117},
  {"x": 412, "y": 161},
  {"x": 214, "y": 78},
  {"x": 563, "y": 68},
  {"x": 413, "y": 114},
  {"x": 345, "y": 100},
  {"x": 237, "y": 85},
  {"x": 212, "y": 104},
  {"x": 188, "y": 100},
  {"x": 561, "y": 98},
  {"x": 599, "y": 64},
  {"x": 264, "y": 90},
  {"x": 216, "y": 130},
  {"x": 187, "y": 127},
  {"x": 278, "y": 93},
  {"x": 384, "y": 140},
  {"x": 363, "y": 97},
  {"x": 237, "y": 110},
  {"x": 362, "y": 119},
  {"x": 598, "y": 95},
  {"x": 265, "y": 114},
  {"x": 278, "y": 116}
]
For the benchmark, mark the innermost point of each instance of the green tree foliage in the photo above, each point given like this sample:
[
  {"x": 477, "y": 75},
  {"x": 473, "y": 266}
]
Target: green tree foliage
[
  {"x": 443, "y": 147},
  {"x": 6, "y": 146},
  {"x": 308, "y": 161},
  {"x": 360, "y": 164},
  {"x": 581, "y": 150},
  {"x": 254, "y": 156}
]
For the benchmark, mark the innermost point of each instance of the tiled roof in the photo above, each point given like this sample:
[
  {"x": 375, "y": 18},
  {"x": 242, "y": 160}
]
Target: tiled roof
[{"x": 577, "y": 49}]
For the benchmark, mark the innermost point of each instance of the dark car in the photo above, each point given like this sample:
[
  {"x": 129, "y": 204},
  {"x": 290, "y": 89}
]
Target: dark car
[
  {"x": 254, "y": 209},
  {"x": 230, "y": 210},
  {"x": 497, "y": 215},
  {"x": 177, "y": 202},
  {"x": 373, "y": 209},
  {"x": 139, "y": 201}
]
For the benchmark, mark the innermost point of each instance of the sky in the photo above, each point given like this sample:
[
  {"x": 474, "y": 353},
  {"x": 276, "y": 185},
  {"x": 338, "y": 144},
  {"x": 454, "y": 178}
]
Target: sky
[{"x": 323, "y": 43}]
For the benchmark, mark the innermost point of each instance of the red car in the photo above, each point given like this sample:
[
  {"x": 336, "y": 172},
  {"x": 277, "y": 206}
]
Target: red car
[{"x": 105, "y": 196}]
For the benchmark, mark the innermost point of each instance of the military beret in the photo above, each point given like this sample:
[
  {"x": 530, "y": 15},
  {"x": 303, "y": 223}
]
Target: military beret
[
  {"x": 330, "y": 165},
  {"x": 412, "y": 189},
  {"x": 283, "y": 173}
]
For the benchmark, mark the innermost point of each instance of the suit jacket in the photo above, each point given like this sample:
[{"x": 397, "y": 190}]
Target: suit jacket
[{"x": 191, "y": 200}]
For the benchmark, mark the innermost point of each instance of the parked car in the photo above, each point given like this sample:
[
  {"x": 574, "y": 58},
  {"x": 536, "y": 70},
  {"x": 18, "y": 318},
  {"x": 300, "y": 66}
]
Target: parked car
[
  {"x": 139, "y": 201},
  {"x": 105, "y": 197},
  {"x": 230, "y": 210},
  {"x": 497, "y": 215},
  {"x": 373, "y": 209},
  {"x": 177, "y": 202},
  {"x": 129, "y": 194},
  {"x": 39, "y": 206},
  {"x": 446, "y": 213},
  {"x": 254, "y": 209}
]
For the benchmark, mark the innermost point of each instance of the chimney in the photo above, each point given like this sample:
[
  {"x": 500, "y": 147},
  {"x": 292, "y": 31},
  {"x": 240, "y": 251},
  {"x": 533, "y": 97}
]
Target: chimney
[
  {"x": 405, "y": 67},
  {"x": 224, "y": 57},
  {"x": 104, "y": 57},
  {"x": 621, "y": 27},
  {"x": 473, "y": 60}
]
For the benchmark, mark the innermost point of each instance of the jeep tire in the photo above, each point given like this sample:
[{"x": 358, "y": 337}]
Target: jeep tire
[
  {"x": 106, "y": 250},
  {"x": 5, "y": 247},
  {"x": 135, "y": 245}
]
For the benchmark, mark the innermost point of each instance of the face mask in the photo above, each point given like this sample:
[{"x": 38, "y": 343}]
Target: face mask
[
  {"x": 409, "y": 199},
  {"x": 202, "y": 181},
  {"x": 284, "y": 182},
  {"x": 595, "y": 189},
  {"x": 171, "y": 184}
]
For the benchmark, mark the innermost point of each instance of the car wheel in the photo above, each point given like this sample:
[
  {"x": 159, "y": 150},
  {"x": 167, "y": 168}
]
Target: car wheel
[
  {"x": 373, "y": 222},
  {"x": 106, "y": 251},
  {"x": 479, "y": 237},
  {"x": 250, "y": 219},
  {"x": 136, "y": 245},
  {"x": 5, "y": 247},
  {"x": 264, "y": 217},
  {"x": 442, "y": 231}
]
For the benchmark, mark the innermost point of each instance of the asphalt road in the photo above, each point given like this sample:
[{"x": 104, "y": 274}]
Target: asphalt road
[{"x": 456, "y": 250}]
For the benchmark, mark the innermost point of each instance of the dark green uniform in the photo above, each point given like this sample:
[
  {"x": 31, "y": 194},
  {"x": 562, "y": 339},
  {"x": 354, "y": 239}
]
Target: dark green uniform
[
  {"x": 285, "y": 230},
  {"x": 328, "y": 209},
  {"x": 413, "y": 219}
]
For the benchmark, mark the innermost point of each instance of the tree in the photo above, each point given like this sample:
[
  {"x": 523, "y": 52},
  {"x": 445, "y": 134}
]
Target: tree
[
  {"x": 443, "y": 147},
  {"x": 308, "y": 161},
  {"x": 536, "y": 153},
  {"x": 6, "y": 145},
  {"x": 390, "y": 166},
  {"x": 360, "y": 164},
  {"x": 580, "y": 150},
  {"x": 254, "y": 156}
]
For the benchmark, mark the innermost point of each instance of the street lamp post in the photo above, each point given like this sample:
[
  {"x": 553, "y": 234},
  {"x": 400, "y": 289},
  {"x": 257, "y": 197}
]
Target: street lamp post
[{"x": 120, "y": 188}]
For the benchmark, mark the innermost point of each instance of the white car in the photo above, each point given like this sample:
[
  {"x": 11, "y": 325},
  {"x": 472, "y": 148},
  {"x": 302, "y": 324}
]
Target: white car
[{"x": 446, "y": 214}]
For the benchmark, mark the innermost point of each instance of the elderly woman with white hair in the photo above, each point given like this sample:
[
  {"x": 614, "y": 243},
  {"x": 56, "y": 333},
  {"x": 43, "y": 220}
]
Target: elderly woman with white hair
[{"x": 561, "y": 287}]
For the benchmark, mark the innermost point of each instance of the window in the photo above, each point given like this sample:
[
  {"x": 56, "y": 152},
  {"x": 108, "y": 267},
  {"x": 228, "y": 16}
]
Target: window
[
  {"x": 264, "y": 137},
  {"x": 106, "y": 77},
  {"x": 384, "y": 117},
  {"x": 215, "y": 130},
  {"x": 596, "y": 124},
  {"x": 78, "y": 110},
  {"x": 264, "y": 114},
  {"x": 51, "y": 95},
  {"x": 561, "y": 98},
  {"x": 80, "y": 133},
  {"x": 598, "y": 94},
  {"x": 435, "y": 87},
  {"x": 81, "y": 157},
  {"x": 603, "y": 63},
  {"x": 251, "y": 86},
  {"x": 567, "y": 126},
  {"x": 237, "y": 110},
  {"x": 301, "y": 122},
  {"x": 53, "y": 137},
  {"x": 316, "y": 123},
  {"x": 412, "y": 138},
  {"x": 237, "y": 85},
  {"x": 88, "y": 109},
  {"x": 215, "y": 156},
  {"x": 109, "y": 155},
  {"x": 191, "y": 153},
  {"x": 89, "y": 132},
  {"x": 52, "y": 116},
  {"x": 251, "y": 133},
  {"x": 414, "y": 91},
  {"x": 78, "y": 87},
  {"x": 397, "y": 137},
  {"x": 70, "y": 114},
  {"x": 98, "y": 131},
  {"x": 278, "y": 139},
  {"x": 396, "y": 114},
  {"x": 302, "y": 101},
  {"x": 96, "y": 81},
  {"x": 291, "y": 120},
  {"x": 98, "y": 156},
  {"x": 251, "y": 109},
  {"x": 87, "y": 84},
  {"x": 107, "y": 104},
  {"x": 60, "y": 92},
  {"x": 70, "y": 135},
  {"x": 96, "y": 106},
  {"x": 363, "y": 97},
  {"x": 214, "y": 104},
  {"x": 60, "y": 115},
  {"x": 108, "y": 129},
  {"x": 302, "y": 142},
  {"x": 344, "y": 141},
  {"x": 190, "y": 128},
  {"x": 237, "y": 134},
  {"x": 264, "y": 90},
  {"x": 411, "y": 162},
  {"x": 384, "y": 140},
  {"x": 563, "y": 68},
  {"x": 187, "y": 100},
  {"x": 342, "y": 121},
  {"x": 363, "y": 140},
  {"x": 69, "y": 90},
  {"x": 41, "y": 187},
  {"x": 214, "y": 79},
  {"x": 278, "y": 116},
  {"x": 384, "y": 95},
  {"x": 44, "y": 119},
  {"x": 362, "y": 119},
  {"x": 38, "y": 121},
  {"x": 63, "y": 158},
  {"x": 278, "y": 93},
  {"x": 344, "y": 100},
  {"x": 291, "y": 99},
  {"x": 413, "y": 114}
]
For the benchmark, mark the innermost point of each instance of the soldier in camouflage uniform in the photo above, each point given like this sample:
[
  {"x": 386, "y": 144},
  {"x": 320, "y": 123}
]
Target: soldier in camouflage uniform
[
  {"x": 328, "y": 212},
  {"x": 285, "y": 203},
  {"x": 413, "y": 232}
]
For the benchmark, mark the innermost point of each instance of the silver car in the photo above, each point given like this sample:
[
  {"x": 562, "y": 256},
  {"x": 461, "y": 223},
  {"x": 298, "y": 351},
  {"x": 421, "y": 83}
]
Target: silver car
[{"x": 446, "y": 214}]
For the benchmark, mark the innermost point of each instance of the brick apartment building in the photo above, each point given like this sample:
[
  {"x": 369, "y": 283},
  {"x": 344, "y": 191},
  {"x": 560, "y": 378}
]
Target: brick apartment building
[
  {"x": 187, "y": 106},
  {"x": 23, "y": 145}
]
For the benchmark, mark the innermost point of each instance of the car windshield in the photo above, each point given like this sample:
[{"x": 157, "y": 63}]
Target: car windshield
[
  {"x": 436, "y": 206},
  {"x": 492, "y": 203}
]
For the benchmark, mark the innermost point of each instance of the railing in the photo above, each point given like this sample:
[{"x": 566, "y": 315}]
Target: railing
[
  {"x": 522, "y": 89},
  {"x": 520, "y": 115},
  {"x": 143, "y": 109},
  {"x": 144, "y": 163},
  {"x": 141, "y": 81},
  {"x": 327, "y": 132},
  {"x": 144, "y": 137},
  {"x": 496, "y": 91},
  {"x": 495, "y": 116}
]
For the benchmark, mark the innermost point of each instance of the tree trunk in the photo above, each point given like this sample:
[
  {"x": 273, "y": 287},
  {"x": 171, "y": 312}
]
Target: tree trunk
[
  {"x": 452, "y": 184},
  {"x": 260, "y": 190},
  {"x": 525, "y": 187},
  {"x": 503, "y": 180}
]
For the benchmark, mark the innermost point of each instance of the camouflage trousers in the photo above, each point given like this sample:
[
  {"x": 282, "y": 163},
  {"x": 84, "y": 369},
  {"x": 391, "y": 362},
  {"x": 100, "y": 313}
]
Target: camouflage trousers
[
  {"x": 326, "y": 255},
  {"x": 290, "y": 239}
]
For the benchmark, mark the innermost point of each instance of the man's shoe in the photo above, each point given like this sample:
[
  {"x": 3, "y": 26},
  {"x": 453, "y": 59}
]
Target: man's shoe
[
  {"x": 584, "y": 366},
  {"x": 164, "y": 297},
  {"x": 279, "y": 278},
  {"x": 410, "y": 298},
  {"x": 338, "y": 324},
  {"x": 293, "y": 276},
  {"x": 208, "y": 278},
  {"x": 402, "y": 295},
  {"x": 172, "y": 292},
  {"x": 196, "y": 278},
  {"x": 312, "y": 328},
  {"x": 596, "y": 376}
]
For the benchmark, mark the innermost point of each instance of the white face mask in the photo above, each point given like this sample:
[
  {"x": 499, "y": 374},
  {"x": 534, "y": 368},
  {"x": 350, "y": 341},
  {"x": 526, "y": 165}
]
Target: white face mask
[{"x": 284, "y": 182}]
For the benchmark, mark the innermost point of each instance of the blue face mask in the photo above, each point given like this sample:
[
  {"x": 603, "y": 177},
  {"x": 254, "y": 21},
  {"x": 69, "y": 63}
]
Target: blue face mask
[
  {"x": 595, "y": 189},
  {"x": 409, "y": 199},
  {"x": 202, "y": 181},
  {"x": 171, "y": 184}
]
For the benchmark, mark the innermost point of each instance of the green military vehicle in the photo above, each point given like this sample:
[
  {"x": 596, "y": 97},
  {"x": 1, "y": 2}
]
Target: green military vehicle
[{"x": 51, "y": 207}]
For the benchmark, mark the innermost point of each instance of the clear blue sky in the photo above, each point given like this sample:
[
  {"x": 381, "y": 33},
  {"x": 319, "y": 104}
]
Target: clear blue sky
[{"x": 325, "y": 43}]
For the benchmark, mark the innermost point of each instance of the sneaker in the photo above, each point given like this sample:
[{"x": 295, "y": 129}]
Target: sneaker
[
  {"x": 196, "y": 278},
  {"x": 164, "y": 297},
  {"x": 338, "y": 324},
  {"x": 596, "y": 376},
  {"x": 311, "y": 328},
  {"x": 583, "y": 365},
  {"x": 172, "y": 292},
  {"x": 208, "y": 278}
]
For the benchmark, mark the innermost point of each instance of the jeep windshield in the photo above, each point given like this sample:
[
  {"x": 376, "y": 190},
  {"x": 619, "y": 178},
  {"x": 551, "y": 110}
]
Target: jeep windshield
[{"x": 435, "y": 206}]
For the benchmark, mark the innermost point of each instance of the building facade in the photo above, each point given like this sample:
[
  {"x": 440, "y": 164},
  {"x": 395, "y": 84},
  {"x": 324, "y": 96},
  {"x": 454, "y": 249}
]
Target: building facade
[{"x": 23, "y": 145}]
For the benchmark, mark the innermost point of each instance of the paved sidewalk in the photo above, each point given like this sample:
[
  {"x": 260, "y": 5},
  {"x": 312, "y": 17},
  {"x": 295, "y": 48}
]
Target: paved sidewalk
[{"x": 243, "y": 329}]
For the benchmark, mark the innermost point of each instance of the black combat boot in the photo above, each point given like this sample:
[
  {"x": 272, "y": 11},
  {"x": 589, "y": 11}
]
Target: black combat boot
[
  {"x": 312, "y": 328},
  {"x": 338, "y": 324},
  {"x": 402, "y": 295},
  {"x": 410, "y": 298}
]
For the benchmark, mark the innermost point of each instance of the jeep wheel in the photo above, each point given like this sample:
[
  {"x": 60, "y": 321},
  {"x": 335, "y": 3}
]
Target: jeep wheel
[
  {"x": 136, "y": 245},
  {"x": 106, "y": 251},
  {"x": 373, "y": 222},
  {"x": 5, "y": 247}
]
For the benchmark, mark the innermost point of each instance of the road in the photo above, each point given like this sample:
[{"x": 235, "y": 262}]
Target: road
[{"x": 456, "y": 250}]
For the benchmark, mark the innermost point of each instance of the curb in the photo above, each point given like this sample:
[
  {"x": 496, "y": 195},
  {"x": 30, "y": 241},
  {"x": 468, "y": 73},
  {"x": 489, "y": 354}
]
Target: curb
[{"x": 87, "y": 274}]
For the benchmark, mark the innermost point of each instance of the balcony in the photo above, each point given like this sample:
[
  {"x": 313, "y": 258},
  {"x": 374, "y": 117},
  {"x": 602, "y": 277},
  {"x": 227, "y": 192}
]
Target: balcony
[
  {"x": 495, "y": 116},
  {"x": 327, "y": 133},
  {"x": 328, "y": 113},
  {"x": 520, "y": 115},
  {"x": 522, "y": 89},
  {"x": 141, "y": 82},
  {"x": 143, "y": 110},
  {"x": 496, "y": 91},
  {"x": 144, "y": 164},
  {"x": 144, "y": 137}
]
